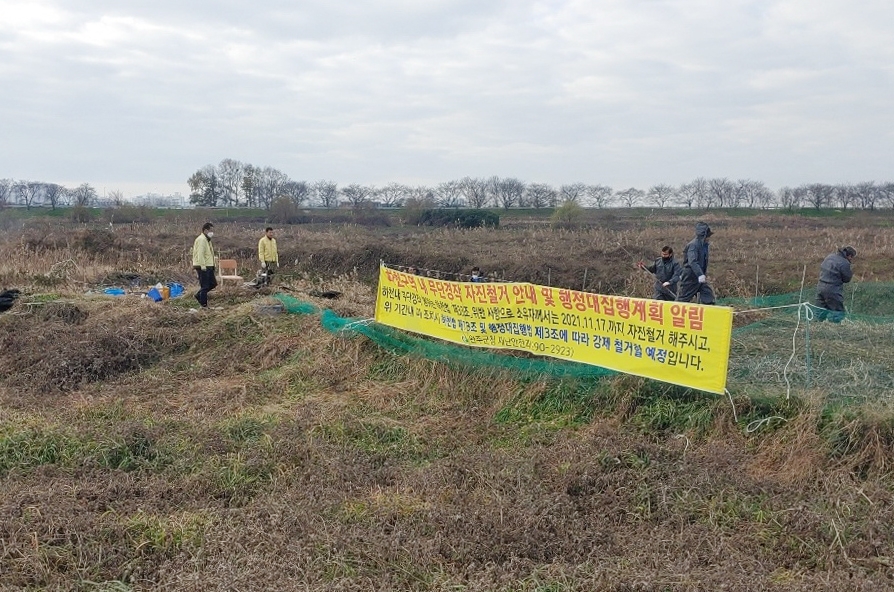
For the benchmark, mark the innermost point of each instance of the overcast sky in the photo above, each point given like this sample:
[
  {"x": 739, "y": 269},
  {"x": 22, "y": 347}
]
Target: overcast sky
[{"x": 137, "y": 95}]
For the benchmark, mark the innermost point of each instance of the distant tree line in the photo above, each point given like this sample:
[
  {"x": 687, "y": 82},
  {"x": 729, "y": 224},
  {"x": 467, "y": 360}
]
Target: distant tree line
[
  {"x": 235, "y": 184},
  {"x": 38, "y": 193}
]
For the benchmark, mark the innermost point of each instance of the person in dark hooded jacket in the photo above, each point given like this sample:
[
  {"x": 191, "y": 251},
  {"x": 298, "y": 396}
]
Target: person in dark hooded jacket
[
  {"x": 667, "y": 273},
  {"x": 694, "y": 280},
  {"x": 835, "y": 271}
]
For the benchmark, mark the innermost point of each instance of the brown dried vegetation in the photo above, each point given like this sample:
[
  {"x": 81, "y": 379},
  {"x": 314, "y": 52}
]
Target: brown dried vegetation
[{"x": 145, "y": 447}]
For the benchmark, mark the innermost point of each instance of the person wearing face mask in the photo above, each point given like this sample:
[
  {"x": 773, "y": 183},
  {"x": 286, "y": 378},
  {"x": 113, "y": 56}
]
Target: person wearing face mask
[
  {"x": 667, "y": 273},
  {"x": 203, "y": 263},
  {"x": 268, "y": 255},
  {"x": 476, "y": 275}
]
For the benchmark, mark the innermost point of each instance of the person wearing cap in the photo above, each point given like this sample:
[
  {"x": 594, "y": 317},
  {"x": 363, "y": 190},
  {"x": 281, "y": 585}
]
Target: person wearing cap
[
  {"x": 694, "y": 279},
  {"x": 835, "y": 271},
  {"x": 268, "y": 255},
  {"x": 203, "y": 263},
  {"x": 667, "y": 273}
]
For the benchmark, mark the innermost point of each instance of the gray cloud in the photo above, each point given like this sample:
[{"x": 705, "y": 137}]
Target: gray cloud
[{"x": 619, "y": 92}]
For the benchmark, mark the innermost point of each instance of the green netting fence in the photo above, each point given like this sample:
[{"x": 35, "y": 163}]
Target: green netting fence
[
  {"x": 778, "y": 345},
  {"x": 405, "y": 343}
]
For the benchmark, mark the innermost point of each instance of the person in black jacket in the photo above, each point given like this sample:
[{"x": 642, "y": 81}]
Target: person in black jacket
[
  {"x": 694, "y": 280},
  {"x": 667, "y": 273},
  {"x": 835, "y": 271}
]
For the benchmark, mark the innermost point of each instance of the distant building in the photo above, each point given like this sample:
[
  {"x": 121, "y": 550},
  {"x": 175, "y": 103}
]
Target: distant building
[{"x": 155, "y": 200}]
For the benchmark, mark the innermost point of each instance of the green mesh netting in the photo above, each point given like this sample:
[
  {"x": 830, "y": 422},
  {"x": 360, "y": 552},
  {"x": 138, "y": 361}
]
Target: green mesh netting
[
  {"x": 405, "y": 343},
  {"x": 867, "y": 302},
  {"x": 777, "y": 346},
  {"x": 782, "y": 346},
  {"x": 295, "y": 306}
]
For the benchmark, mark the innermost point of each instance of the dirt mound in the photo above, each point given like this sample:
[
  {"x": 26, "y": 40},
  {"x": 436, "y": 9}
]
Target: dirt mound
[{"x": 61, "y": 346}]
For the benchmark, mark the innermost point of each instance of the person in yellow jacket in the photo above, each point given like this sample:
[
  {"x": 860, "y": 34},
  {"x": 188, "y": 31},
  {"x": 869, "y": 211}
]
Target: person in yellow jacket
[
  {"x": 268, "y": 255},
  {"x": 203, "y": 263}
]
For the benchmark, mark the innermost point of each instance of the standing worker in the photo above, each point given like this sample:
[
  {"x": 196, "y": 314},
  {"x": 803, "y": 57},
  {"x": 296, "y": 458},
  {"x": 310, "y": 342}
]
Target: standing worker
[
  {"x": 667, "y": 273},
  {"x": 203, "y": 263},
  {"x": 268, "y": 255},
  {"x": 695, "y": 268},
  {"x": 835, "y": 271}
]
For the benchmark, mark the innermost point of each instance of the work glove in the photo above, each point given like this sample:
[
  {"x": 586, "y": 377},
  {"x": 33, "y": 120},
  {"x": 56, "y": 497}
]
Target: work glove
[
  {"x": 702, "y": 279},
  {"x": 641, "y": 265},
  {"x": 666, "y": 284},
  {"x": 204, "y": 268}
]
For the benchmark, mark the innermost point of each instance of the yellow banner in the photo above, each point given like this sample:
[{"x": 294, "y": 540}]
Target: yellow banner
[{"x": 680, "y": 343}]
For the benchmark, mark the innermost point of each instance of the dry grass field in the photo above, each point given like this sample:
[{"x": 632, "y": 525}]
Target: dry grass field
[{"x": 147, "y": 447}]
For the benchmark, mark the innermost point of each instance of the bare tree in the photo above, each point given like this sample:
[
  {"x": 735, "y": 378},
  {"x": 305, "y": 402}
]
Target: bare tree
[
  {"x": 868, "y": 194},
  {"x": 517, "y": 188},
  {"x": 298, "y": 192},
  {"x": 886, "y": 193},
  {"x": 449, "y": 194},
  {"x": 540, "y": 195},
  {"x": 230, "y": 173},
  {"x": 694, "y": 193},
  {"x": 357, "y": 195},
  {"x": 599, "y": 196},
  {"x": 6, "y": 191},
  {"x": 116, "y": 196},
  {"x": 475, "y": 191},
  {"x": 573, "y": 192},
  {"x": 510, "y": 192},
  {"x": 751, "y": 194},
  {"x": 818, "y": 195},
  {"x": 553, "y": 200},
  {"x": 801, "y": 195},
  {"x": 28, "y": 192},
  {"x": 631, "y": 197},
  {"x": 55, "y": 194},
  {"x": 721, "y": 193},
  {"x": 84, "y": 195},
  {"x": 845, "y": 195},
  {"x": 493, "y": 190},
  {"x": 763, "y": 195},
  {"x": 789, "y": 198},
  {"x": 392, "y": 195},
  {"x": 740, "y": 194},
  {"x": 327, "y": 193},
  {"x": 420, "y": 197},
  {"x": 271, "y": 183},
  {"x": 661, "y": 194}
]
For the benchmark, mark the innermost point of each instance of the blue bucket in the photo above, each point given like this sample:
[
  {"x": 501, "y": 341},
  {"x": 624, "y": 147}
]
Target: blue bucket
[{"x": 154, "y": 294}]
